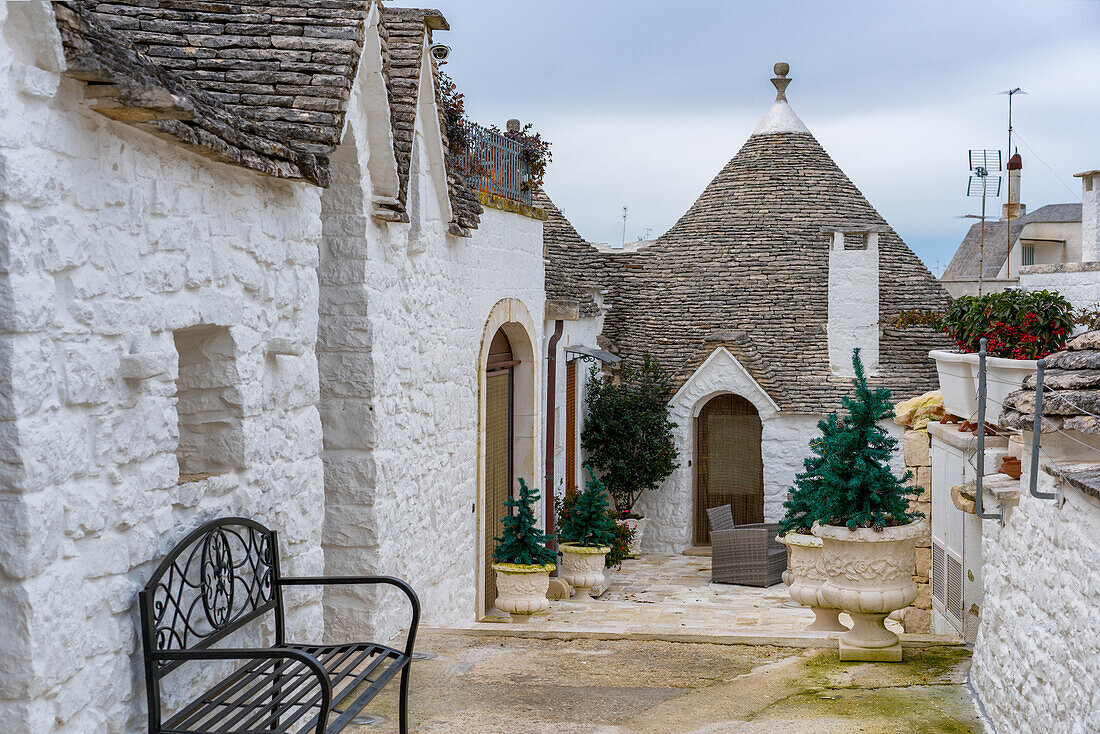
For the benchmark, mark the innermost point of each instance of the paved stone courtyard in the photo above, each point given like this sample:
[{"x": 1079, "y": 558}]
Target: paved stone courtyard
[
  {"x": 486, "y": 684},
  {"x": 671, "y": 597}
]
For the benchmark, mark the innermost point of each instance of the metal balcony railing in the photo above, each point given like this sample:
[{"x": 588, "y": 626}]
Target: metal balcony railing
[{"x": 494, "y": 163}]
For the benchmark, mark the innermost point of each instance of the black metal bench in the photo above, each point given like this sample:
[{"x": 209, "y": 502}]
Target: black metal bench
[{"x": 220, "y": 578}]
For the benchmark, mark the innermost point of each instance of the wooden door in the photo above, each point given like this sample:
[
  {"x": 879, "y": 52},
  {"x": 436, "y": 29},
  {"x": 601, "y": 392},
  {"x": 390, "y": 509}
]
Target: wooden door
[
  {"x": 571, "y": 425},
  {"x": 499, "y": 440},
  {"x": 729, "y": 468}
]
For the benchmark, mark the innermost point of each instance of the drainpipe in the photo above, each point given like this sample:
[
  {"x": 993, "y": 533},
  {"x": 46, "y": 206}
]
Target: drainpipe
[{"x": 551, "y": 404}]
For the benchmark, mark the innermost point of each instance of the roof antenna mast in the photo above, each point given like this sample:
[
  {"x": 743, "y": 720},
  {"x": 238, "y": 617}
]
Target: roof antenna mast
[
  {"x": 983, "y": 185},
  {"x": 1008, "y": 195}
]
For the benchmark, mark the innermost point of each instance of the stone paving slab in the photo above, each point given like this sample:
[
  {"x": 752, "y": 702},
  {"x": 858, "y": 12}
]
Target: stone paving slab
[{"x": 671, "y": 597}]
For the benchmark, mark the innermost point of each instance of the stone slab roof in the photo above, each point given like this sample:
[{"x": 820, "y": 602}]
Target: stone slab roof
[
  {"x": 747, "y": 268},
  {"x": 964, "y": 264},
  {"x": 1071, "y": 392},
  {"x": 263, "y": 84},
  {"x": 573, "y": 267},
  {"x": 404, "y": 34}
]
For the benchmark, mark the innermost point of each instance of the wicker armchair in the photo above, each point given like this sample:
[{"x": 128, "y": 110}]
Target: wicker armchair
[{"x": 748, "y": 555}]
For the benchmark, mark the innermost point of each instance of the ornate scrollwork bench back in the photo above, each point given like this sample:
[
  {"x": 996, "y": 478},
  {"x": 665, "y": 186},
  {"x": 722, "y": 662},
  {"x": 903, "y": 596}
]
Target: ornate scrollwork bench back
[{"x": 216, "y": 580}]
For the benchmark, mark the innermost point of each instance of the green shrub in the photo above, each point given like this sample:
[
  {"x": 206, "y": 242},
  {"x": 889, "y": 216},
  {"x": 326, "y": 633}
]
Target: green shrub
[
  {"x": 522, "y": 542},
  {"x": 586, "y": 520},
  {"x": 627, "y": 434}
]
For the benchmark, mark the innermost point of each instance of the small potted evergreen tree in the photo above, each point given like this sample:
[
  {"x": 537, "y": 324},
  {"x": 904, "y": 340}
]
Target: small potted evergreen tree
[
  {"x": 861, "y": 513},
  {"x": 522, "y": 561},
  {"x": 805, "y": 572},
  {"x": 628, "y": 436},
  {"x": 586, "y": 535}
]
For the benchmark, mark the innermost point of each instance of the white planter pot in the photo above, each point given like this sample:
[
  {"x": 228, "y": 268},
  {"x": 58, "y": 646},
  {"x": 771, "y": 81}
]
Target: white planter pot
[
  {"x": 957, "y": 373},
  {"x": 582, "y": 566},
  {"x": 804, "y": 577},
  {"x": 638, "y": 526},
  {"x": 521, "y": 590},
  {"x": 869, "y": 574},
  {"x": 1002, "y": 376}
]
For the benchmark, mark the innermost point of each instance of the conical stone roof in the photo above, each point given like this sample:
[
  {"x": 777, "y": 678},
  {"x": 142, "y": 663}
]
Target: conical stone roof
[{"x": 747, "y": 267}]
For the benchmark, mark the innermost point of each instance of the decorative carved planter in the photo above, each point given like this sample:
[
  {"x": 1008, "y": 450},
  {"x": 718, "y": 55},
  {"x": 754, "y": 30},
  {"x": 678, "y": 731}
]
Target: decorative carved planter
[
  {"x": 638, "y": 526},
  {"x": 582, "y": 566},
  {"x": 869, "y": 574},
  {"x": 521, "y": 590},
  {"x": 804, "y": 576},
  {"x": 958, "y": 375}
]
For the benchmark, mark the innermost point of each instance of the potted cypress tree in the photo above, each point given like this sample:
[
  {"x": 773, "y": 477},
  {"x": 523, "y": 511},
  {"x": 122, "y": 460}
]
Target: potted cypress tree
[
  {"x": 805, "y": 572},
  {"x": 522, "y": 561},
  {"x": 586, "y": 534},
  {"x": 628, "y": 436},
  {"x": 861, "y": 513}
]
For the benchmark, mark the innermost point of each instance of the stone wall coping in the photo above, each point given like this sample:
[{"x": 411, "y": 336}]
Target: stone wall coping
[
  {"x": 949, "y": 434},
  {"x": 507, "y": 205},
  {"x": 1082, "y": 476},
  {"x": 1085, "y": 267}
]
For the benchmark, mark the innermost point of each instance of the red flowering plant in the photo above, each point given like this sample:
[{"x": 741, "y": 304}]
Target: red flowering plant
[
  {"x": 535, "y": 153},
  {"x": 1015, "y": 324}
]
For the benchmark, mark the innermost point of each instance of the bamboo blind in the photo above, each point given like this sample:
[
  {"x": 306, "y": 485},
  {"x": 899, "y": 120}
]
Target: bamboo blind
[{"x": 729, "y": 467}]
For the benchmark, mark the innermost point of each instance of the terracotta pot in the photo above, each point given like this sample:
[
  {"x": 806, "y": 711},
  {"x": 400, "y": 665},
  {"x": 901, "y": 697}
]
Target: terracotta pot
[
  {"x": 582, "y": 566},
  {"x": 869, "y": 574},
  {"x": 804, "y": 576},
  {"x": 521, "y": 590},
  {"x": 957, "y": 373}
]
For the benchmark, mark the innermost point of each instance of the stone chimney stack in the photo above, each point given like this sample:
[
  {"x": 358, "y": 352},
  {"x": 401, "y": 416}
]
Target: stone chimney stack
[
  {"x": 1090, "y": 215},
  {"x": 1014, "y": 209}
]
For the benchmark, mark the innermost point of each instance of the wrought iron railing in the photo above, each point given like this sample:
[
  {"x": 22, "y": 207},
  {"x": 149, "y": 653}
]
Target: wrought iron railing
[{"x": 494, "y": 163}]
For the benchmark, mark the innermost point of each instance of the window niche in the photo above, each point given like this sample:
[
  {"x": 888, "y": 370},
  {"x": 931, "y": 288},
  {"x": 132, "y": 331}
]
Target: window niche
[{"x": 208, "y": 403}]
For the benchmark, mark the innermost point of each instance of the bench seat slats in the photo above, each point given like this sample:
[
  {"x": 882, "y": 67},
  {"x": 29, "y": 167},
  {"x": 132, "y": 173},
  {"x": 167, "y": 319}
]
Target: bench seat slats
[{"x": 284, "y": 696}]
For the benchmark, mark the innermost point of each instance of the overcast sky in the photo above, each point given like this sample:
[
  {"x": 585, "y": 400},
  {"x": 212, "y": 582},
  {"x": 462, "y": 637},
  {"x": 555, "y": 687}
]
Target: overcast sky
[{"x": 645, "y": 101}]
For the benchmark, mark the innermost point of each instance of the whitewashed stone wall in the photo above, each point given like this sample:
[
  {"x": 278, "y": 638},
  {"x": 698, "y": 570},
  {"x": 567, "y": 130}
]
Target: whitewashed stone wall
[
  {"x": 403, "y": 308},
  {"x": 1078, "y": 282},
  {"x": 111, "y": 240},
  {"x": 784, "y": 445},
  {"x": 1037, "y": 656}
]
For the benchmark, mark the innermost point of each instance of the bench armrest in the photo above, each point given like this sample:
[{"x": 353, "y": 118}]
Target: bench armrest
[
  {"x": 414, "y": 601},
  {"x": 264, "y": 653}
]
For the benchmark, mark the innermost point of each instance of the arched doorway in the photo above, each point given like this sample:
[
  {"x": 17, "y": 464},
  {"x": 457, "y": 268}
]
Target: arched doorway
[
  {"x": 507, "y": 424},
  {"x": 499, "y": 445},
  {"x": 729, "y": 468}
]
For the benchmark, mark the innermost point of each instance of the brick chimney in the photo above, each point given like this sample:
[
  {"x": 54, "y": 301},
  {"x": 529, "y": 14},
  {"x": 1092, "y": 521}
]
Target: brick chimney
[{"x": 1090, "y": 215}]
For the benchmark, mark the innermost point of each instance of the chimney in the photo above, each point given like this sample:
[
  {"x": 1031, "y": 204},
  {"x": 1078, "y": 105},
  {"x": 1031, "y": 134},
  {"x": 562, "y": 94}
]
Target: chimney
[
  {"x": 1090, "y": 215},
  {"x": 853, "y": 301},
  {"x": 1014, "y": 209}
]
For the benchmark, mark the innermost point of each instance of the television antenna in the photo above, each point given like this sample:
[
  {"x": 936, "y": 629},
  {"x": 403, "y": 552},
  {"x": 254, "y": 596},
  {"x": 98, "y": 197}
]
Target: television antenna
[
  {"x": 984, "y": 184},
  {"x": 624, "y": 228},
  {"x": 1008, "y": 195}
]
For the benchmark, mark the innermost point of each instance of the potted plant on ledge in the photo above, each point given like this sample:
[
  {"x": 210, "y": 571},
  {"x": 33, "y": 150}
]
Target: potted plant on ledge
[
  {"x": 805, "y": 572},
  {"x": 860, "y": 511},
  {"x": 628, "y": 436},
  {"x": 522, "y": 561},
  {"x": 1019, "y": 327},
  {"x": 586, "y": 533}
]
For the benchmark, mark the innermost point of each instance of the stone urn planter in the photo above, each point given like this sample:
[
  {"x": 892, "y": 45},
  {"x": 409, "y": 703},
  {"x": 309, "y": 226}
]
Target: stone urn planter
[
  {"x": 958, "y": 375},
  {"x": 582, "y": 566},
  {"x": 869, "y": 574},
  {"x": 637, "y": 525},
  {"x": 804, "y": 577},
  {"x": 521, "y": 589}
]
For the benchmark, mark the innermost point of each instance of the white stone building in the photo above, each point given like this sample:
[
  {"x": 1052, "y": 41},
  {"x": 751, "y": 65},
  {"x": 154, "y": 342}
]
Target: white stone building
[
  {"x": 240, "y": 277},
  {"x": 753, "y": 301}
]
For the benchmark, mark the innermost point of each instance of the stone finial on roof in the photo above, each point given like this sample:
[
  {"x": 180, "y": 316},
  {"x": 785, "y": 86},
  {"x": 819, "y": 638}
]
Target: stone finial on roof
[
  {"x": 780, "y": 118},
  {"x": 781, "y": 81}
]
